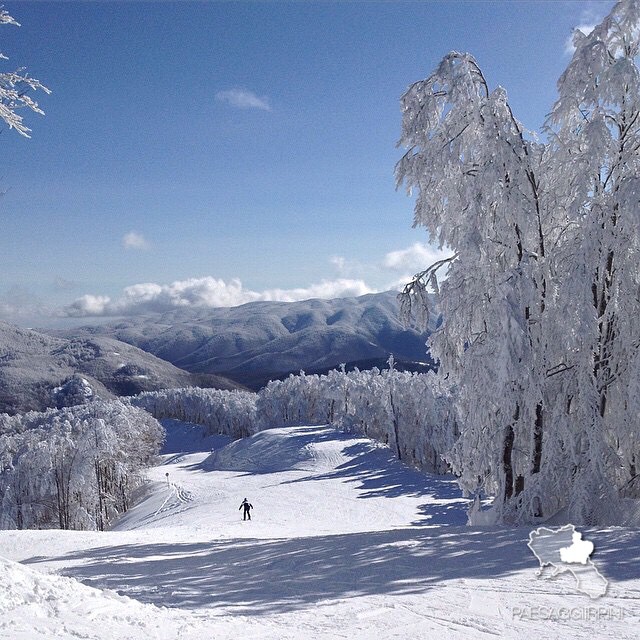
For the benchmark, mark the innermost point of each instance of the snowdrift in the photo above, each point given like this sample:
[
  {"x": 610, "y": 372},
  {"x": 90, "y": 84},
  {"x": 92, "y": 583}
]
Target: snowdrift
[
  {"x": 36, "y": 605},
  {"x": 286, "y": 449}
]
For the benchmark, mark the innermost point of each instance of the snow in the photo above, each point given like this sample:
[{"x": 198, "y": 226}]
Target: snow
[{"x": 344, "y": 541}]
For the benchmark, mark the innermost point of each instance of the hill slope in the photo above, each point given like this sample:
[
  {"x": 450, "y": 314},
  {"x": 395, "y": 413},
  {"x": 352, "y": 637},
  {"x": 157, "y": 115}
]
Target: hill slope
[
  {"x": 258, "y": 341},
  {"x": 33, "y": 364},
  {"x": 344, "y": 541}
]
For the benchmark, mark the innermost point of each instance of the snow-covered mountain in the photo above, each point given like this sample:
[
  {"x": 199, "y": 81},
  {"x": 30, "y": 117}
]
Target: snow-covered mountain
[
  {"x": 39, "y": 371},
  {"x": 258, "y": 341}
]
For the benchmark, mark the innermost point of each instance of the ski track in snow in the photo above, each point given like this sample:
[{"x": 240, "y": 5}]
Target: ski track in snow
[
  {"x": 177, "y": 498},
  {"x": 344, "y": 542}
]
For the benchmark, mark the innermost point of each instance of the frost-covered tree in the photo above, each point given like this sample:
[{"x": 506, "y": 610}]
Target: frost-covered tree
[
  {"x": 76, "y": 390},
  {"x": 14, "y": 89},
  {"x": 74, "y": 468},
  {"x": 226, "y": 412},
  {"x": 594, "y": 175},
  {"x": 539, "y": 336},
  {"x": 479, "y": 194}
]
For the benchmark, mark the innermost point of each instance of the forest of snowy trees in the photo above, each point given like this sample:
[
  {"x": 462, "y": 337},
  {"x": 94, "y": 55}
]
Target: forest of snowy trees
[
  {"x": 74, "y": 468},
  {"x": 231, "y": 413},
  {"x": 410, "y": 412},
  {"x": 540, "y": 333}
]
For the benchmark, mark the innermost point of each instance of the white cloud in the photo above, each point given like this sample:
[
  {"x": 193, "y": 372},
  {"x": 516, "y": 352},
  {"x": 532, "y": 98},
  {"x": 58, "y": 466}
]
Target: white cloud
[
  {"x": 392, "y": 272},
  {"x": 207, "y": 292},
  {"x": 89, "y": 305},
  {"x": 341, "y": 288},
  {"x": 243, "y": 99},
  {"x": 134, "y": 240},
  {"x": 20, "y": 305},
  {"x": 415, "y": 258}
]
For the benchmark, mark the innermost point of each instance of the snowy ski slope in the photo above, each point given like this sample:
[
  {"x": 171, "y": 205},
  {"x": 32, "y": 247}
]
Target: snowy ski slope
[{"x": 345, "y": 542}]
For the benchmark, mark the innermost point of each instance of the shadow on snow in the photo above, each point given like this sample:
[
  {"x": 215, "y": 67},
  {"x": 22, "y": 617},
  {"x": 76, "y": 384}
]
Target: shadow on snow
[
  {"x": 379, "y": 474},
  {"x": 184, "y": 437},
  {"x": 257, "y": 576}
]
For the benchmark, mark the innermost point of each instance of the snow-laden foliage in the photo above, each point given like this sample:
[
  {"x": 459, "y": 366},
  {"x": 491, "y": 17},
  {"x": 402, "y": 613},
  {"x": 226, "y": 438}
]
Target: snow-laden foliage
[
  {"x": 14, "y": 88},
  {"x": 410, "y": 412},
  {"x": 231, "y": 413},
  {"x": 541, "y": 332},
  {"x": 74, "y": 391},
  {"x": 74, "y": 468}
]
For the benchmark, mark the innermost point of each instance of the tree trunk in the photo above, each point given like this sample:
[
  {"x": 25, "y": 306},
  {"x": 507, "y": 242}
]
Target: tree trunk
[
  {"x": 395, "y": 422},
  {"x": 506, "y": 462},
  {"x": 537, "y": 440}
]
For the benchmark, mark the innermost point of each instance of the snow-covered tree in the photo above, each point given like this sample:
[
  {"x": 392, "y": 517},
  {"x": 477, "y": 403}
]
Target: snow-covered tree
[
  {"x": 14, "y": 89},
  {"x": 73, "y": 468},
  {"x": 408, "y": 411},
  {"x": 594, "y": 173},
  {"x": 477, "y": 176},
  {"x": 76, "y": 390},
  {"x": 226, "y": 412},
  {"x": 539, "y": 334}
]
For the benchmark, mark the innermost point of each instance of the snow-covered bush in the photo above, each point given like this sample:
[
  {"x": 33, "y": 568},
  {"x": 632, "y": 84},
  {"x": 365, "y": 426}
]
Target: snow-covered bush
[{"x": 76, "y": 390}]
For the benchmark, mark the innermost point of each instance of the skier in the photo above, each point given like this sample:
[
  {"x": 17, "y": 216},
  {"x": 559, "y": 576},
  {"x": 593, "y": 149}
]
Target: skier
[{"x": 247, "y": 507}]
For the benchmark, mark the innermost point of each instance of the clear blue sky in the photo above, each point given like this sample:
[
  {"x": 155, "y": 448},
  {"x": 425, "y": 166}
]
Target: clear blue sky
[{"x": 141, "y": 134}]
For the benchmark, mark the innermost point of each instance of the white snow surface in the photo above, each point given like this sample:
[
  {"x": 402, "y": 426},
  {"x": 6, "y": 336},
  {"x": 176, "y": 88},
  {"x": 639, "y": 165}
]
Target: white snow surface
[{"x": 344, "y": 542}]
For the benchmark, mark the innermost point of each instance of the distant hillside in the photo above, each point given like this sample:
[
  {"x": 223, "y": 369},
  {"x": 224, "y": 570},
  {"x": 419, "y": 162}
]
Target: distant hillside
[
  {"x": 33, "y": 365},
  {"x": 261, "y": 340}
]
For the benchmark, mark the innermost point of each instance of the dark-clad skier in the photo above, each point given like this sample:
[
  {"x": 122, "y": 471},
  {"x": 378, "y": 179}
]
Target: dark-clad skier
[{"x": 247, "y": 508}]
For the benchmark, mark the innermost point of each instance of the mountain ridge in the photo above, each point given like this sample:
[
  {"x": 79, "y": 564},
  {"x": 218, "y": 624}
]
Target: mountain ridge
[
  {"x": 258, "y": 341},
  {"x": 34, "y": 366}
]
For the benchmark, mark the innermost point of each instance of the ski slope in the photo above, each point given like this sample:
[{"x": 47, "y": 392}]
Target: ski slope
[{"x": 344, "y": 542}]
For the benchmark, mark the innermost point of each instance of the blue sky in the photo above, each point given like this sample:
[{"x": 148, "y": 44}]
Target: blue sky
[{"x": 189, "y": 146}]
